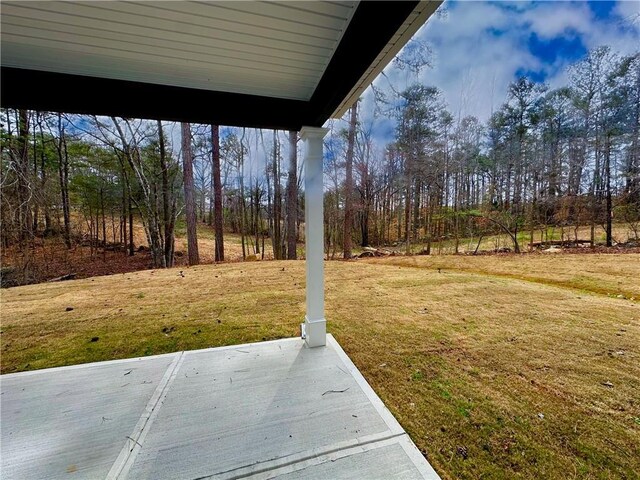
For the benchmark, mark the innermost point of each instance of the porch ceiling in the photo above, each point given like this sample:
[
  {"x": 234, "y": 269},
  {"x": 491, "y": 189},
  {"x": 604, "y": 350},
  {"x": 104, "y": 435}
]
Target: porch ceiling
[{"x": 258, "y": 64}]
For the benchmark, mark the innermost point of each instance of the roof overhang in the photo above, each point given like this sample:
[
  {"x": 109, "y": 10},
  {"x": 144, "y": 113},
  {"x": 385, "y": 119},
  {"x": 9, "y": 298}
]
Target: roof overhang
[{"x": 334, "y": 55}]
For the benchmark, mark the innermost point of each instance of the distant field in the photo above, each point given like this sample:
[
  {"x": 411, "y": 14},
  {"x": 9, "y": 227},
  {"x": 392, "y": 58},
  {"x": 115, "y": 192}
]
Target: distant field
[{"x": 498, "y": 367}]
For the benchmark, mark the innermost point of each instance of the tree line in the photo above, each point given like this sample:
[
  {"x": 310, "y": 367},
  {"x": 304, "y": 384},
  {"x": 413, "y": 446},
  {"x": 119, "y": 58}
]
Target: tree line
[
  {"x": 566, "y": 157},
  {"x": 90, "y": 180},
  {"x": 563, "y": 157}
]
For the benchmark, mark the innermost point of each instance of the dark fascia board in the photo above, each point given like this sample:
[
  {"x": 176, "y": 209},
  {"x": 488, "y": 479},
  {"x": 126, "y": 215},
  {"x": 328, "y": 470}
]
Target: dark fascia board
[
  {"x": 372, "y": 26},
  {"x": 60, "y": 92}
]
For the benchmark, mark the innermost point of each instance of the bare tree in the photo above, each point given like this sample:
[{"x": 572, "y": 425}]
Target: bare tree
[
  {"x": 292, "y": 196},
  {"x": 63, "y": 173},
  {"x": 217, "y": 193},
  {"x": 348, "y": 185},
  {"x": 277, "y": 199},
  {"x": 148, "y": 207},
  {"x": 24, "y": 184},
  {"x": 168, "y": 203},
  {"x": 189, "y": 197}
]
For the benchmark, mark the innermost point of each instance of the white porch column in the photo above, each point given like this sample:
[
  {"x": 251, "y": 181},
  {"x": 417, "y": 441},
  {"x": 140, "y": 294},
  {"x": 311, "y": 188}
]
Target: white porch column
[{"x": 314, "y": 328}]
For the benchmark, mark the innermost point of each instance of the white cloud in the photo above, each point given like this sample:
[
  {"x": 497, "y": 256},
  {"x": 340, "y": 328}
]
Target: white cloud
[
  {"x": 552, "y": 19},
  {"x": 479, "y": 47},
  {"x": 476, "y": 56},
  {"x": 629, "y": 10}
]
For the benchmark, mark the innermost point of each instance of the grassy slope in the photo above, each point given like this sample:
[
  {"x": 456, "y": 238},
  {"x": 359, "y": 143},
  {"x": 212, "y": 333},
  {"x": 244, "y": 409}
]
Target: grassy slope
[
  {"x": 232, "y": 243},
  {"x": 467, "y": 359}
]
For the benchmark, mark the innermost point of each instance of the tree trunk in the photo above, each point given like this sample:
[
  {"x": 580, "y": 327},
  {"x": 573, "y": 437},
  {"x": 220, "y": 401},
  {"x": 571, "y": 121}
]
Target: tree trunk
[
  {"x": 292, "y": 196},
  {"x": 348, "y": 185},
  {"x": 43, "y": 185},
  {"x": 242, "y": 202},
  {"x": 257, "y": 221},
  {"x": 23, "y": 184},
  {"x": 190, "y": 205},
  {"x": 167, "y": 217},
  {"x": 607, "y": 166},
  {"x": 277, "y": 202},
  {"x": 123, "y": 217},
  {"x": 415, "y": 222},
  {"x": 217, "y": 194},
  {"x": 38, "y": 197},
  {"x": 132, "y": 247},
  {"x": 407, "y": 218},
  {"x": 63, "y": 170},
  {"x": 104, "y": 219}
]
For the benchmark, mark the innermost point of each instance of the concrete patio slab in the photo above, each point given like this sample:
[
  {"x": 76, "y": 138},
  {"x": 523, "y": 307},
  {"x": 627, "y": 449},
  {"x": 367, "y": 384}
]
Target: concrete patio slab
[
  {"x": 266, "y": 410},
  {"x": 59, "y": 421}
]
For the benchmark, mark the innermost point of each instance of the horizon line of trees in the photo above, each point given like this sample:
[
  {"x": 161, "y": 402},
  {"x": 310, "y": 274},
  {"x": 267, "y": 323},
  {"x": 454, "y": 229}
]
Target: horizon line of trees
[
  {"x": 90, "y": 180},
  {"x": 565, "y": 157}
]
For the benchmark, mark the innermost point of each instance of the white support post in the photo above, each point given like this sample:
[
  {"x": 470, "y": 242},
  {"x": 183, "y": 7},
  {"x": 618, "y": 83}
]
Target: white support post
[{"x": 314, "y": 328}]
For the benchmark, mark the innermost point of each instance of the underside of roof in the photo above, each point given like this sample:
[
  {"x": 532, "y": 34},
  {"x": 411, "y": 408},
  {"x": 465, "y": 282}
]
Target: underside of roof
[{"x": 258, "y": 64}]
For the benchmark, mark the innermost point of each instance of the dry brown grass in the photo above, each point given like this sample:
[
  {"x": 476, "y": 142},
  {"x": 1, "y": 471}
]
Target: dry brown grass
[
  {"x": 206, "y": 244},
  {"x": 607, "y": 274},
  {"x": 232, "y": 246},
  {"x": 621, "y": 233},
  {"x": 492, "y": 376}
]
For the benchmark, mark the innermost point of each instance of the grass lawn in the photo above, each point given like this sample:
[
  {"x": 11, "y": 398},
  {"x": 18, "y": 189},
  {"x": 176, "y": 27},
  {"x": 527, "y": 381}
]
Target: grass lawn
[{"x": 498, "y": 367}]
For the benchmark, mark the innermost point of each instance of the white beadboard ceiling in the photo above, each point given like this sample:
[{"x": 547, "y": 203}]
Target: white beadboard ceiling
[{"x": 274, "y": 49}]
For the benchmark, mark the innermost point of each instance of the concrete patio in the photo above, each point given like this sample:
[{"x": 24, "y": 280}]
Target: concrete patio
[{"x": 273, "y": 409}]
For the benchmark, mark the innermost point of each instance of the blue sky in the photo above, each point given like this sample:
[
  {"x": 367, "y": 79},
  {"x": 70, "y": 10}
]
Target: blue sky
[{"x": 479, "y": 47}]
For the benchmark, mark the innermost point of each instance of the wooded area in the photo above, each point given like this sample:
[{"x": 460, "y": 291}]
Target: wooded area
[
  {"x": 563, "y": 157},
  {"x": 92, "y": 180},
  {"x": 566, "y": 157}
]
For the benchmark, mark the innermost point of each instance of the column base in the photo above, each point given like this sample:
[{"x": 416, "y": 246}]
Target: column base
[{"x": 314, "y": 332}]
